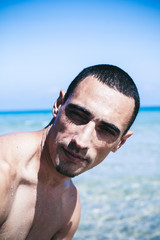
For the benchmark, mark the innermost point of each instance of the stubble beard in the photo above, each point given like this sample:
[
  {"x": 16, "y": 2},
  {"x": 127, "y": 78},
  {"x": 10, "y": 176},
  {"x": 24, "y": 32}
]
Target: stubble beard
[
  {"x": 65, "y": 172},
  {"x": 68, "y": 171}
]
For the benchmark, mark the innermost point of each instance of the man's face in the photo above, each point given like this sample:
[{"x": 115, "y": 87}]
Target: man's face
[{"x": 88, "y": 126}]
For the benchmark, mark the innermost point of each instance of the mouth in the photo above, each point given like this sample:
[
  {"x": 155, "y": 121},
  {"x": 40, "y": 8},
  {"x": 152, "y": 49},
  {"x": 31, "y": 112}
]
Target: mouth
[{"x": 74, "y": 157}]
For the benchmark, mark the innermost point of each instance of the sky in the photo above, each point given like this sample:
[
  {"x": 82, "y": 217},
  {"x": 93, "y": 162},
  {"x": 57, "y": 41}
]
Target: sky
[{"x": 45, "y": 44}]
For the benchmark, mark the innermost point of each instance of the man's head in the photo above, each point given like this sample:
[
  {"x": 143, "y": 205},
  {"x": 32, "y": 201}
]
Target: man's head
[
  {"x": 113, "y": 77},
  {"x": 92, "y": 119}
]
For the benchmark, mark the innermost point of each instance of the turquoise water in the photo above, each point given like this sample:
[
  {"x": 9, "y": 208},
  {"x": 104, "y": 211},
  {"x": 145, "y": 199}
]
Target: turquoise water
[{"x": 121, "y": 197}]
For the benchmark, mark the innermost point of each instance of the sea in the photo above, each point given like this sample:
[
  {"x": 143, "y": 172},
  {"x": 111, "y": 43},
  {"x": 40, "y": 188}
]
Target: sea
[{"x": 120, "y": 198}]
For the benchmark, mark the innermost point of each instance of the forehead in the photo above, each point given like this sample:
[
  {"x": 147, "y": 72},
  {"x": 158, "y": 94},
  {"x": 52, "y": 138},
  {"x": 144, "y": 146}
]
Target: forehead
[{"x": 103, "y": 102}]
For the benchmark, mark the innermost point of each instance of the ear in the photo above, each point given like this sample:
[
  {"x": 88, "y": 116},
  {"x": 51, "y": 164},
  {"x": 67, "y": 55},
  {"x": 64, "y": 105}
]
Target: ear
[
  {"x": 58, "y": 103},
  {"x": 122, "y": 141}
]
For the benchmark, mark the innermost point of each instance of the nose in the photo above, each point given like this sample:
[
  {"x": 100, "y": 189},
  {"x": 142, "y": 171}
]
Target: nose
[{"x": 84, "y": 135}]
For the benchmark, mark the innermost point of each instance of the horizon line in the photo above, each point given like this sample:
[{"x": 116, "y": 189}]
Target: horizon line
[{"x": 30, "y": 111}]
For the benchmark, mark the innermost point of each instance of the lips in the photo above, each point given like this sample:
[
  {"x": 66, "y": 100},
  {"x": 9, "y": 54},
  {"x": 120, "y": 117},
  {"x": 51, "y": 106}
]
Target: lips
[{"x": 74, "y": 157}]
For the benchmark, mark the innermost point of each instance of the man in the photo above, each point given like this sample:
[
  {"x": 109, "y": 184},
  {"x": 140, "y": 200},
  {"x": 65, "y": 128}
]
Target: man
[{"x": 38, "y": 199}]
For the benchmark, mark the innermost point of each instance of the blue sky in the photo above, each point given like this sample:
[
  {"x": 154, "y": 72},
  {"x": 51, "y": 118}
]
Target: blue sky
[{"x": 45, "y": 44}]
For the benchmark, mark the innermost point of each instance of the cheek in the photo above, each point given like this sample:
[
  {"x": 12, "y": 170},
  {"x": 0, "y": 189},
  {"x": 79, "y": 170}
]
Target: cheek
[
  {"x": 102, "y": 147},
  {"x": 63, "y": 129},
  {"x": 102, "y": 152},
  {"x": 100, "y": 156}
]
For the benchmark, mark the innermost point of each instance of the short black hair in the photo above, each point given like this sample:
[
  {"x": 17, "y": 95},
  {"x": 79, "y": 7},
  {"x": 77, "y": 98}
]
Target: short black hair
[{"x": 114, "y": 77}]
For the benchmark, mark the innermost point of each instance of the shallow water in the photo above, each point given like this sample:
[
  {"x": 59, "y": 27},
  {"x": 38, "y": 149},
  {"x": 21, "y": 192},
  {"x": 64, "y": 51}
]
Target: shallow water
[{"x": 121, "y": 197}]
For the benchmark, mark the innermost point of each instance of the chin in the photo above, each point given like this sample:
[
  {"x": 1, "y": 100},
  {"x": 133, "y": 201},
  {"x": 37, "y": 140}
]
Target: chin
[{"x": 68, "y": 172}]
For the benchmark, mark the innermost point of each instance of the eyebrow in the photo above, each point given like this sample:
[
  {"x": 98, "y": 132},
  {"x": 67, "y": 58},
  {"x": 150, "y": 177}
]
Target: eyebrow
[
  {"x": 89, "y": 114},
  {"x": 82, "y": 109}
]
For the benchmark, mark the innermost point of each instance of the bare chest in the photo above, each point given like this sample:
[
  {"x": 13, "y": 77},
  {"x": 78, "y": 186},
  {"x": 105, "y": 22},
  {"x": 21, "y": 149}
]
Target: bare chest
[{"x": 33, "y": 215}]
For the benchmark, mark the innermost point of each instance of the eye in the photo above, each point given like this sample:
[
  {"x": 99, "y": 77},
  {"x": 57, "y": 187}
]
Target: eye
[
  {"x": 76, "y": 116},
  {"x": 106, "y": 131}
]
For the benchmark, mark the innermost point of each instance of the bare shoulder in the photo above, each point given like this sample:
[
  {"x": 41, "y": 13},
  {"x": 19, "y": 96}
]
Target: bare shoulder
[
  {"x": 16, "y": 142},
  {"x": 17, "y": 147},
  {"x": 7, "y": 177},
  {"x": 72, "y": 204},
  {"x": 13, "y": 150},
  {"x": 19, "y": 144}
]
